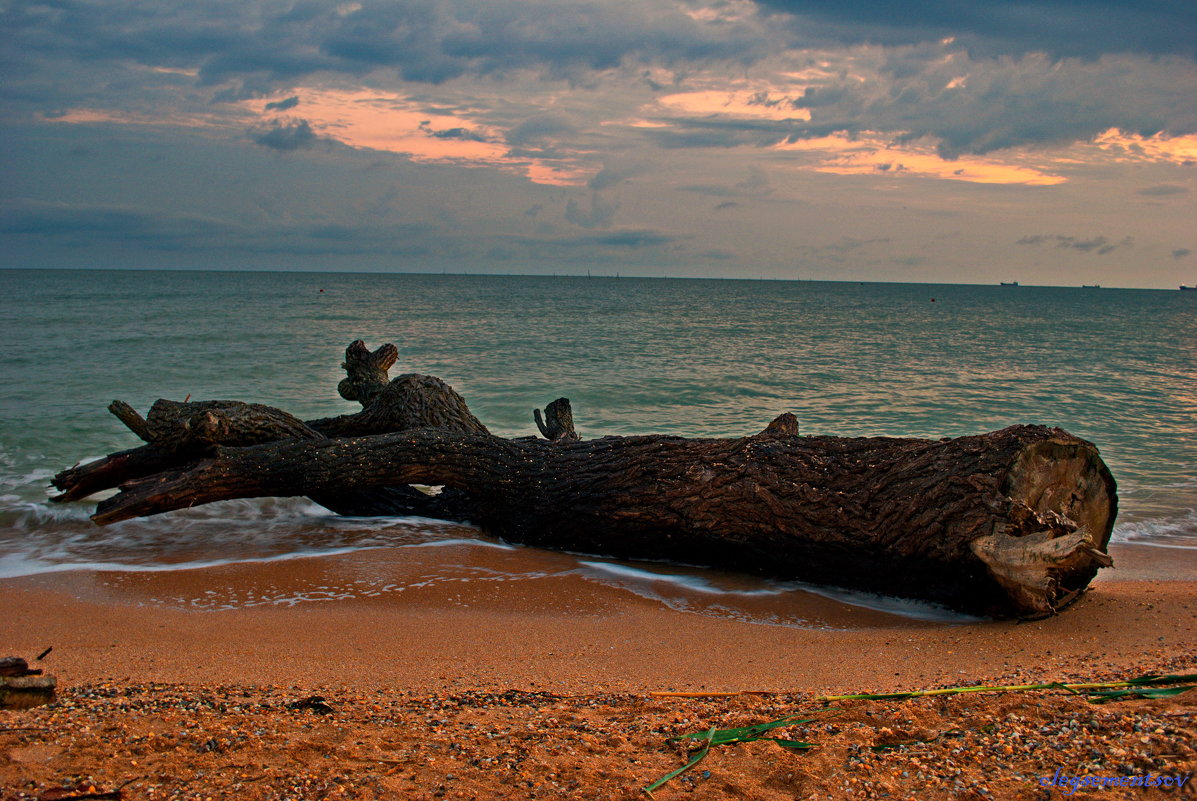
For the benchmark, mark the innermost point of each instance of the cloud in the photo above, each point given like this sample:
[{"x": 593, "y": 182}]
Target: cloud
[
  {"x": 625, "y": 239},
  {"x": 598, "y": 215},
  {"x": 137, "y": 230},
  {"x": 1082, "y": 28},
  {"x": 540, "y": 129},
  {"x": 628, "y": 239},
  {"x": 1163, "y": 190},
  {"x": 962, "y": 103},
  {"x": 80, "y": 226},
  {"x": 263, "y": 43},
  {"x": 1180, "y": 253},
  {"x": 460, "y": 133},
  {"x": 1098, "y": 244},
  {"x": 283, "y": 105},
  {"x": 977, "y": 106},
  {"x": 286, "y": 136},
  {"x": 616, "y": 171},
  {"x": 755, "y": 184},
  {"x": 1125, "y": 66}
]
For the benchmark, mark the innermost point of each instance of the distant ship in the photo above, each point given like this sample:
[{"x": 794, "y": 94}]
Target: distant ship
[
  {"x": 1090, "y": 286},
  {"x": 1188, "y": 288},
  {"x": 1009, "y": 283}
]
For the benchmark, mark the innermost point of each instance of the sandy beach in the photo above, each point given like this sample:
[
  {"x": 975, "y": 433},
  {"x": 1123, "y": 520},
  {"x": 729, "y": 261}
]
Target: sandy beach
[{"x": 181, "y": 684}]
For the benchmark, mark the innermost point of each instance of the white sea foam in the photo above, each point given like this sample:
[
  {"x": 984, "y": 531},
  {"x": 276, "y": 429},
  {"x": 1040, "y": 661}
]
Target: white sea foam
[
  {"x": 654, "y": 584},
  {"x": 454, "y": 541},
  {"x": 16, "y": 565},
  {"x": 691, "y": 582},
  {"x": 1170, "y": 532},
  {"x": 40, "y": 537},
  {"x": 903, "y": 607}
]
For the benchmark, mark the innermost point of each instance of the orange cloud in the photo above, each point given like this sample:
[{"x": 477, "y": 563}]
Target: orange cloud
[
  {"x": 870, "y": 155},
  {"x": 380, "y": 121},
  {"x": 1128, "y": 147},
  {"x": 392, "y": 123},
  {"x": 761, "y": 102}
]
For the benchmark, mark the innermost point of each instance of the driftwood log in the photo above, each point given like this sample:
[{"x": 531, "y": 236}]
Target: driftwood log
[{"x": 1010, "y": 523}]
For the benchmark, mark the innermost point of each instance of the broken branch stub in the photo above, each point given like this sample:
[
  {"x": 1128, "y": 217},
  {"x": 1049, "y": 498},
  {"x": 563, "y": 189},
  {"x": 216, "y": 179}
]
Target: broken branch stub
[{"x": 558, "y": 421}]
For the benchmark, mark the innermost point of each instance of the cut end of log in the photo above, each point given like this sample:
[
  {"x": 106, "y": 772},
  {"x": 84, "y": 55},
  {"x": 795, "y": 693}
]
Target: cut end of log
[{"x": 1062, "y": 505}]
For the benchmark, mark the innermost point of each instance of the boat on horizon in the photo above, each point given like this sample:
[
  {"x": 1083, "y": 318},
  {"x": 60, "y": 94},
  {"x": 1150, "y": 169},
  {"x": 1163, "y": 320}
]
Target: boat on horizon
[
  {"x": 1188, "y": 288},
  {"x": 1009, "y": 283},
  {"x": 1090, "y": 286}
]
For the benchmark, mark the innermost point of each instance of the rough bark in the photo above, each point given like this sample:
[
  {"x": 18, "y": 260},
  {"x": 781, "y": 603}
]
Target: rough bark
[
  {"x": 408, "y": 401},
  {"x": 1010, "y": 523},
  {"x": 176, "y": 432},
  {"x": 366, "y": 371},
  {"x": 185, "y": 429}
]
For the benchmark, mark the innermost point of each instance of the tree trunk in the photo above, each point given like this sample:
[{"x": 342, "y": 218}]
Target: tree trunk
[{"x": 1012, "y": 523}]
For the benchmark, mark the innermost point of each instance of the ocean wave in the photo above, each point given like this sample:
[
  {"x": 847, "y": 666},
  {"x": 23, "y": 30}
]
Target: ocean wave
[
  {"x": 17, "y": 565},
  {"x": 42, "y": 537},
  {"x": 1168, "y": 532}
]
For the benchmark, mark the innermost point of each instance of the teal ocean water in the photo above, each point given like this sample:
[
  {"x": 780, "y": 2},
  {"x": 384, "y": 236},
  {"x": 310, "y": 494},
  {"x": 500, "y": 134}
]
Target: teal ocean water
[{"x": 692, "y": 357}]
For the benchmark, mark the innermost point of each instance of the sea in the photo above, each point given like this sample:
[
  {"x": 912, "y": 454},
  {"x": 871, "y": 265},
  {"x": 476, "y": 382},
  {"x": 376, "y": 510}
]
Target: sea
[{"x": 722, "y": 358}]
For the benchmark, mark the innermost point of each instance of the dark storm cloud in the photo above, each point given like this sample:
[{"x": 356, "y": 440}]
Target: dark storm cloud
[
  {"x": 286, "y": 135},
  {"x": 1098, "y": 244},
  {"x": 424, "y": 40},
  {"x": 1084, "y": 28}
]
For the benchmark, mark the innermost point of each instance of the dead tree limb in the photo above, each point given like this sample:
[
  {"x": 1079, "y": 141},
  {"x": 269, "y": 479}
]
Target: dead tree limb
[{"x": 178, "y": 431}]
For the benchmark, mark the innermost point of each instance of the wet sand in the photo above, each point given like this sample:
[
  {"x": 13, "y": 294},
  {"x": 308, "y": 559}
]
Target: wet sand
[{"x": 527, "y": 688}]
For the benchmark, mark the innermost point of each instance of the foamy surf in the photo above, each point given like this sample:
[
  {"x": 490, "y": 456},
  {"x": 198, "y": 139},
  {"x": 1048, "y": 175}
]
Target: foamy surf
[
  {"x": 1170, "y": 532},
  {"x": 38, "y": 537},
  {"x": 677, "y": 588}
]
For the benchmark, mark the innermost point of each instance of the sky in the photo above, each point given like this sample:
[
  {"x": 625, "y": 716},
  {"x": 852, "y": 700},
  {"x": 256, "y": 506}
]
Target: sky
[{"x": 961, "y": 141}]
